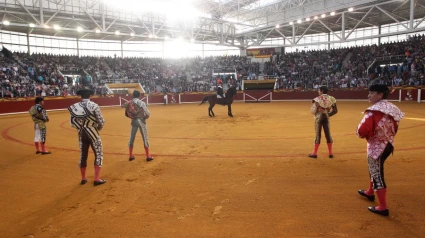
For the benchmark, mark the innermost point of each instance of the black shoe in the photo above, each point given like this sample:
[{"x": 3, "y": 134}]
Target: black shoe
[
  {"x": 385, "y": 212},
  {"x": 38, "y": 152},
  {"x": 312, "y": 156},
  {"x": 95, "y": 183},
  {"x": 370, "y": 197},
  {"x": 45, "y": 152},
  {"x": 149, "y": 159},
  {"x": 131, "y": 158},
  {"x": 331, "y": 156},
  {"x": 84, "y": 181}
]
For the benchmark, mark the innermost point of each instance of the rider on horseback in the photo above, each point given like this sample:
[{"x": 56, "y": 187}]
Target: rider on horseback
[{"x": 220, "y": 91}]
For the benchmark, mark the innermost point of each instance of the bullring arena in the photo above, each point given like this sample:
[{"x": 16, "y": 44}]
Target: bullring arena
[
  {"x": 246, "y": 176},
  {"x": 244, "y": 173}
]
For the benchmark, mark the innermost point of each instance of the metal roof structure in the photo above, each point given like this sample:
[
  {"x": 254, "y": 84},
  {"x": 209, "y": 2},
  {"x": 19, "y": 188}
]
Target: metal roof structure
[{"x": 237, "y": 23}]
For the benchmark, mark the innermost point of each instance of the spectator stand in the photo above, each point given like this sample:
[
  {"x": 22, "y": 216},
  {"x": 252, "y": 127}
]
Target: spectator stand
[
  {"x": 228, "y": 76},
  {"x": 386, "y": 60}
]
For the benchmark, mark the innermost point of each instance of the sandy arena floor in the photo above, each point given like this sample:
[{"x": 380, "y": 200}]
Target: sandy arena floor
[{"x": 247, "y": 176}]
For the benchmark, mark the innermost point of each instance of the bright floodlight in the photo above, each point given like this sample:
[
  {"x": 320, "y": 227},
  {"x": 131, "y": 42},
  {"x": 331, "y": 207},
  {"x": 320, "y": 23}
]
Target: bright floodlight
[
  {"x": 46, "y": 26},
  {"x": 316, "y": 17},
  {"x": 6, "y": 23},
  {"x": 290, "y": 23},
  {"x": 323, "y": 15},
  {"x": 32, "y": 25},
  {"x": 307, "y": 19},
  {"x": 332, "y": 13},
  {"x": 117, "y": 32},
  {"x": 176, "y": 48},
  {"x": 277, "y": 26},
  {"x": 350, "y": 9},
  {"x": 299, "y": 21},
  {"x": 97, "y": 31},
  {"x": 79, "y": 29},
  {"x": 56, "y": 27},
  {"x": 150, "y": 35},
  {"x": 132, "y": 34}
]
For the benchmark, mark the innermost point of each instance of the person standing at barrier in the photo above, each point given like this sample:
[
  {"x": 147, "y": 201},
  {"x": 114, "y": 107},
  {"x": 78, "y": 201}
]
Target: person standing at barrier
[
  {"x": 379, "y": 127},
  {"x": 324, "y": 106},
  {"x": 137, "y": 110},
  {"x": 40, "y": 118},
  {"x": 87, "y": 118}
]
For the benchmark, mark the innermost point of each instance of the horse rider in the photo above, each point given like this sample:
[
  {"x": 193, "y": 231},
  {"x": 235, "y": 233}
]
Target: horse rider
[{"x": 220, "y": 91}]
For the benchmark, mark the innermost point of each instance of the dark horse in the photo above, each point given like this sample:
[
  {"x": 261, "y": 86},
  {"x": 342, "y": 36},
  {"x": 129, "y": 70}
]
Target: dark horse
[{"x": 228, "y": 100}]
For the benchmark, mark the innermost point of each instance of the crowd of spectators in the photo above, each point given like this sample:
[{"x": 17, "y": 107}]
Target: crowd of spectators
[
  {"x": 396, "y": 63},
  {"x": 59, "y": 75}
]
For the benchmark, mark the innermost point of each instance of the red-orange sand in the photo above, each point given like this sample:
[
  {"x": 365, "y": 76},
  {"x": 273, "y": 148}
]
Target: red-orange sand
[{"x": 247, "y": 176}]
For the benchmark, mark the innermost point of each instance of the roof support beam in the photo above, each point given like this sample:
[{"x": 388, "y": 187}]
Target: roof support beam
[
  {"x": 359, "y": 22},
  {"x": 284, "y": 37},
  {"x": 343, "y": 26},
  {"x": 419, "y": 23},
  {"x": 54, "y": 14},
  {"x": 412, "y": 13},
  {"x": 156, "y": 33},
  {"x": 404, "y": 3},
  {"x": 386, "y": 13},
  {"x": 85, "y": 11},
  {"x": 305, "y": 31},
  {"x": 329, "y": 29},
  {"x": 41, "y": 13},
  {"x": 29, "y": 13},
  {"x": 259, "y": 41},
  {"x": 112, "y": 23}
]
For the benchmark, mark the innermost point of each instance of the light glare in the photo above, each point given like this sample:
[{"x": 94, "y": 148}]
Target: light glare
[{"x": 173, "y": 10}]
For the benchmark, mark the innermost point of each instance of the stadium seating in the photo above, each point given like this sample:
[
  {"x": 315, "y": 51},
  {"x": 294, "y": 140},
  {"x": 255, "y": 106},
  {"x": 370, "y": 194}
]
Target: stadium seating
[{"x": 51, "y": 75}]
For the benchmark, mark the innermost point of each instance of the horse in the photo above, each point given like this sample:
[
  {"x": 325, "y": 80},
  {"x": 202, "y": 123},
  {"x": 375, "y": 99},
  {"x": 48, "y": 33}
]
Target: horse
[{"x": 228, "y": 100}]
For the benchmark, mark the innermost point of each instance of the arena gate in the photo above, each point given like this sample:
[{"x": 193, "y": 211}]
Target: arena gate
[{"x": 258, "y": 90}]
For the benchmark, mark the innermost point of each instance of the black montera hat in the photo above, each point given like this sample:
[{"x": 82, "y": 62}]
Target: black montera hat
[
  {"x": 380, "y": 88},
  {"x": 38, "y": 100},
  {"x": 85, "y": 90}
]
